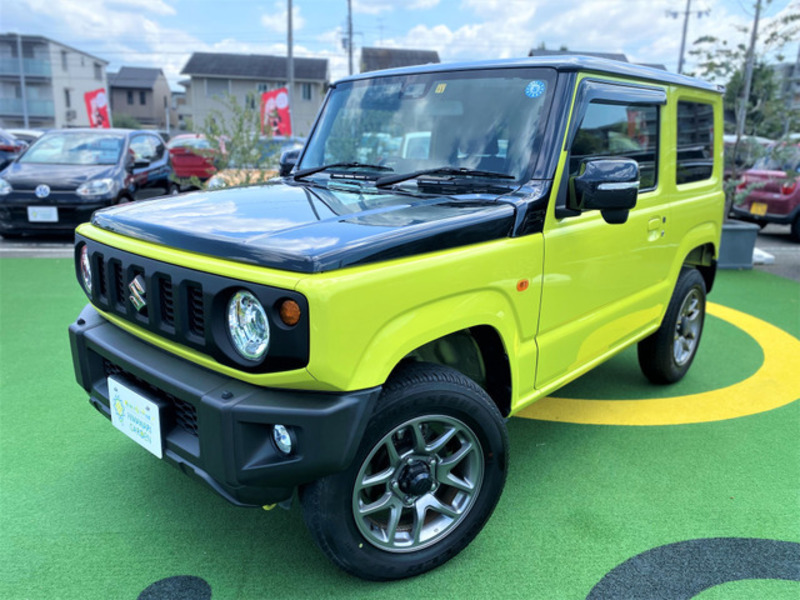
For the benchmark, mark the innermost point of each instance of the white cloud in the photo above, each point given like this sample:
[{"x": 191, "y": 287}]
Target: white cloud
[
  {"x": 277, "y": 20},
  {"x": 158, "y": 7}
]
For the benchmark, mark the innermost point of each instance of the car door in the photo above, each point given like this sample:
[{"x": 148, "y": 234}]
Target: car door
[
  {"x": 151, "y": 175},
  {"x": 603, "y": 283}
]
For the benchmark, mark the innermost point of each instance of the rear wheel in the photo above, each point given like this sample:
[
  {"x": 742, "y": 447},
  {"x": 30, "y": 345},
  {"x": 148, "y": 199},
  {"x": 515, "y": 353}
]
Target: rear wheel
[
  {"x": 666, "y": 355},
  {"x": 426, "y": 478}
]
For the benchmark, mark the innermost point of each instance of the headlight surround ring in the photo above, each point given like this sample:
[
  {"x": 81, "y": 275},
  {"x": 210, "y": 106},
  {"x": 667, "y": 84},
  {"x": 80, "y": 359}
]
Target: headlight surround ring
[
  {"x": 86, "y": 269},
  {"x": 248, "y": 325}
]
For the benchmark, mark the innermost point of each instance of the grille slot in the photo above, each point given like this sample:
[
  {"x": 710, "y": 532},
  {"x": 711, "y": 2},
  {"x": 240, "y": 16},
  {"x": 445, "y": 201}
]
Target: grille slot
[
  {"x": 183, "y": 413},
  {"x": 119, "y": 283},
  {"x": 167, "y": 301},
  {"x": 197, "y": 321},
  {"x": 102, "y": 283}
]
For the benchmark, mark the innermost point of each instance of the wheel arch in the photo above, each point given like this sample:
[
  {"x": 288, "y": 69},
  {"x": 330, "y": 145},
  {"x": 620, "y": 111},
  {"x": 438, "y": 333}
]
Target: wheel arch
[
  {"x": 476, "y": 352},
  {"x": 703, "y": 259}
]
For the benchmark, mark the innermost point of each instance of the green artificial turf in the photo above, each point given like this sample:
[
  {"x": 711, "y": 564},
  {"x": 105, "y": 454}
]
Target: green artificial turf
[{"x": 87, "y": 514}]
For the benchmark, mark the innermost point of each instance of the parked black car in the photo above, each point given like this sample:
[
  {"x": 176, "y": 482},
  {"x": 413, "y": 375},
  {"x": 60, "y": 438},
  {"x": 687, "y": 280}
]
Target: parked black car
[
  {"x": 10, "y": 148},
  {"x": 68, "y": 174}
]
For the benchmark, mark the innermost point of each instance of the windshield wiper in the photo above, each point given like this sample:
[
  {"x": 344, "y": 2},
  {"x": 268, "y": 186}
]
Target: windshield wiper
[
  {"x": 342, "y": 165},
  {"x": 392, "y": 179}
]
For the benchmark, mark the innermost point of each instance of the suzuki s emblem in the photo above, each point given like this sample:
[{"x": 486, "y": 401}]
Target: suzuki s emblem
[
  {"x": 138, "y": 293},
  {"x": 42, "y": 191}
]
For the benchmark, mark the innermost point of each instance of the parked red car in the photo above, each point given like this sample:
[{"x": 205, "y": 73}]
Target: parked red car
[
  {"x": 774, "y": 196},
  {"x": 192, "y": 156}
]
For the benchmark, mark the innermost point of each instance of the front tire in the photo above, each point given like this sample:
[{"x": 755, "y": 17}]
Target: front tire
[
  {"x": 794, "y": 233},
  {"x": 666, "y": 355},
  {"x": 425, "y": 480}
]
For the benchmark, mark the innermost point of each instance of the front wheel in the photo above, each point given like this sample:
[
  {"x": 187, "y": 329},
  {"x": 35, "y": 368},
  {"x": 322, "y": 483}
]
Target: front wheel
[
  {"x": 425, "y": 480},
  {"x": 794, "y": 233},
  {"x": 666, "y": 355}
]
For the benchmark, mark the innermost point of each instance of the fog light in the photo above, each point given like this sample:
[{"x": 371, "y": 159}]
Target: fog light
[{"x": 282, "y": 438}]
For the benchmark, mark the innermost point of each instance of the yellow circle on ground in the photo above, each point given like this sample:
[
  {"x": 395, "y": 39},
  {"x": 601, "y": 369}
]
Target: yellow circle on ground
[{"x": 775, "y": 384}]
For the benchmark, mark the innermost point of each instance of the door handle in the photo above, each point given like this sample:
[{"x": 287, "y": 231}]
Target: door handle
[{"x": 654, "y": 224}]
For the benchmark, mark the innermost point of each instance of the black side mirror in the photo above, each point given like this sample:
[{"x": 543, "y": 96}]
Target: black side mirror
[
  {"x": 288, "y": 161},
  {"x": 610, "y": 185}
]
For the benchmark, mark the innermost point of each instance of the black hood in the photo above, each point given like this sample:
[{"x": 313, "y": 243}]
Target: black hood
[
  {"x": 26, "y": 176},
  {"x": 310, "y": 229}
]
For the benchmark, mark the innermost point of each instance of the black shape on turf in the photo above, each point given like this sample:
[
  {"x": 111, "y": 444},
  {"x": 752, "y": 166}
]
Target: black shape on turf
[
  {"x": 180, "y": 587},
  {"x": 683, "y": 570}
]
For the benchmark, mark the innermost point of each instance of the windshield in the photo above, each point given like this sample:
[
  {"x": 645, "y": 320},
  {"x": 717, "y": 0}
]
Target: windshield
[
  {"x": 489, "y": 120},
  {"x": 76, "y": 148},
  {"x": 782, "y": 157}
]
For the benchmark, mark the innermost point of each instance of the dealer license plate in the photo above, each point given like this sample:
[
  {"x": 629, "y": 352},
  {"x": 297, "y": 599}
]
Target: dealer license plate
[
  {"x": 43, "y": 214},
  {"x": 758, "y": 208},
  {"x": 135, "y": 416}
]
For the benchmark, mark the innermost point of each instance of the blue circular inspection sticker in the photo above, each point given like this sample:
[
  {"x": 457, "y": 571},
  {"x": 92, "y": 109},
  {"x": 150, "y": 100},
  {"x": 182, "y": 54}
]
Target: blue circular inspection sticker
[{"x": 535, "y": 89}]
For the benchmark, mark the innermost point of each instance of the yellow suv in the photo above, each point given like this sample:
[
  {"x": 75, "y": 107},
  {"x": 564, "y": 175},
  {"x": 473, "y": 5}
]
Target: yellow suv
[{"x": 356, "y": 333}]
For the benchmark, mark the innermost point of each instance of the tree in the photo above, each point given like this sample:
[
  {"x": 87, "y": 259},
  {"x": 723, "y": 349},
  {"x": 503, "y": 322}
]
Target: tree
[
  {"x": 724, "y": 62},
  {"x": 124, "y": 121},
  {"x": 240, "y": 153},
  {"x": 767, "y": 113}
]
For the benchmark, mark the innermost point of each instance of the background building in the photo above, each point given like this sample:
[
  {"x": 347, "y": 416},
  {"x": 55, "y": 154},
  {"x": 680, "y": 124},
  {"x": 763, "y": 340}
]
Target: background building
[
  {"x": 212, "y": 76},
  {"x": 55, "y": 79},
  {"x": 143, "y": 94},
  {"x": 375, "y": 59}
]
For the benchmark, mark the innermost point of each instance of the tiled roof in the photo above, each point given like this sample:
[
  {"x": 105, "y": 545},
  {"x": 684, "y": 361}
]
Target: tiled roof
[
  {"x": 134, "y": 77},
  {"x": 254, "y": 66},
  {"x": 375, "y": 59}
]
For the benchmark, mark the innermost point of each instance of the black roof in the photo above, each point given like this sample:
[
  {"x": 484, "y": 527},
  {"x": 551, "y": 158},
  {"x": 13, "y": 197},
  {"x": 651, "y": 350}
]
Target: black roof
[
  {"x": 375, "y": 59},
  {"x": 134, "y": 77},
  {"x": 566, "y": 63},
  {"x": 254, "y": 66}
]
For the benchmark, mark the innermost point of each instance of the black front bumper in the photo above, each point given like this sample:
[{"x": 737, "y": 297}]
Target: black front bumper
[
  {"x": 219, "y": 429},
  {"x": 72, "y": 211}
]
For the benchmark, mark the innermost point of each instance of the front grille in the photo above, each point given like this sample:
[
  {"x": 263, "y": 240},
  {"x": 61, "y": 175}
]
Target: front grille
[
  {"x": 187, "y": 306},
  {"x": 178, "y": 412}
]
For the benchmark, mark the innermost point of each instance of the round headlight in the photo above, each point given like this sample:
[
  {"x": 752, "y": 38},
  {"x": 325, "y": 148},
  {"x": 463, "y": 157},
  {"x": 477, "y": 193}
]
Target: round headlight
[
  {"x": 248, "y": 325},
  {"x": 86, "y": 270}
]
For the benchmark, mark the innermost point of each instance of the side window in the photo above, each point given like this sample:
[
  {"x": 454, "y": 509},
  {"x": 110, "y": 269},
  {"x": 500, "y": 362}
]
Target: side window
[
  {"x": 142, "y": 147},
  {"x": 158, "y": 147},
  {"x": 695, "y": 160},
  {"x": 629, "y": 131}
]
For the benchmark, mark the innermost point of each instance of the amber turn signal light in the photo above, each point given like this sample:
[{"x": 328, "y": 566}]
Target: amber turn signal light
[
  {"x": 290, "y": 312},
  {"x": 522, "y": 285}
]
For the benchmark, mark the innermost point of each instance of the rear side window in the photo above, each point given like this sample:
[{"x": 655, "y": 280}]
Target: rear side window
[
  {"x": 621, "y": 130},
  {"x": 695, "y": 142}
]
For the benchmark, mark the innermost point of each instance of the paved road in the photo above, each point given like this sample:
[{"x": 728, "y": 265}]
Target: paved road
[{"x": 773, "y": 239}]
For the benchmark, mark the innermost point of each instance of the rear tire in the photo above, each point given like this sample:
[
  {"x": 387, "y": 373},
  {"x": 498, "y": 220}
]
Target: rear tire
[
  {"x": 666, "y": 355},
  {"x": 794, "y": 234},
  {"x": 423, "y": 483}
]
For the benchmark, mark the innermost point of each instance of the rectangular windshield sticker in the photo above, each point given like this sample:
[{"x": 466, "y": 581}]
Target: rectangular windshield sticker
[
  {"x": 535, "y": 88},
  {"x": 440, "y": 88}
]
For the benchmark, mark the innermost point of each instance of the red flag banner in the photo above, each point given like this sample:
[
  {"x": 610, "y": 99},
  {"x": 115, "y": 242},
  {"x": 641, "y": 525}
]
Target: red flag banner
[
  {"x": 97, "y": 108},
  {"x": 275, "y": 112}
]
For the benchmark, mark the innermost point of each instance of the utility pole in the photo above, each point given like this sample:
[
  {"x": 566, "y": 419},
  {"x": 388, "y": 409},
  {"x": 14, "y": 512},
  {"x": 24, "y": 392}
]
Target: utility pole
[
  {"x": 675, "y": 14},
  {"x": 350, "y": 37},
  {"x": 683, "y": 36},
  {"x": 748, "y": 76},
  {"x": 290, "y": 65}
]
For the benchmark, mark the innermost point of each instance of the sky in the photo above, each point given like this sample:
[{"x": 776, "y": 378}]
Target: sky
[{"x": 164, "y": 33}]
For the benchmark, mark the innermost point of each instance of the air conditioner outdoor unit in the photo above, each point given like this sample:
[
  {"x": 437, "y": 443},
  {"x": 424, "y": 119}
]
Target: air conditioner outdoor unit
[{"x": 71, "y": 114}]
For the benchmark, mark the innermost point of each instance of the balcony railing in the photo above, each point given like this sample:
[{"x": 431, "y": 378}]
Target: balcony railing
[
  {"x": 36, "y": 108},
  {"x": 34, "y": 67}
]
